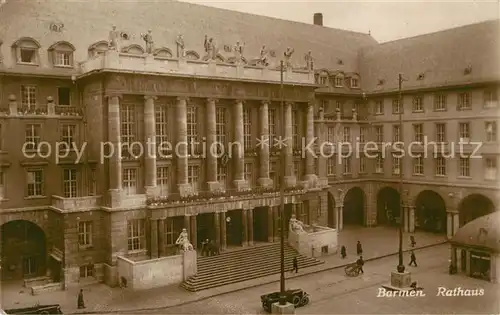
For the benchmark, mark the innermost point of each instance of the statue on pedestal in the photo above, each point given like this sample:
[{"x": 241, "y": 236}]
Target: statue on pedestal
[
  {"x": 309, "y": 61},
  {"x": 180, "y": 46},
  {"x": 148, "y": 39},
  {"x": 296, "y": 225},
  {"x": 209, "y": 49},
  {"x": 238, "y": 52},
  {"x": 288, "y": 56},
  {"x": 263, "y": 56},
  {"x": 114, "y": 36},
  {"x": 183, "y": 241}
]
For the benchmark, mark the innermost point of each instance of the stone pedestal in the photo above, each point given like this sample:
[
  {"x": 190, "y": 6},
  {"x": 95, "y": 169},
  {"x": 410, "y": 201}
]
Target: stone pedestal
[
  {"x": 112, "y": 59},
  {"x": 115, "y": 198},
  {"x": 239, "y": 69},
  {"x": 152, "y": 191},
  {"x": 265, "y": 182},
  {"x": 290, "y": 181},
  {"x": 182, "y": 63},
  {"x": 213, "y": 186},
  {"x": 189, "y": 264},
  {"x": 212, "y": 67},
  {"x": 400, "y": 281},
  {"x": 288, "y": 308},
  {"x": 185, "y": 190},
  {"x": 240, "y": 184},
  {"x": 149, "y": 62}
]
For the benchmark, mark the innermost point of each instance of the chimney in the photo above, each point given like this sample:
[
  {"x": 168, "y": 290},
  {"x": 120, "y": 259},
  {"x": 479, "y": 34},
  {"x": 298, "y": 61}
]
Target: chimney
[{"x": 318, "y": 19}]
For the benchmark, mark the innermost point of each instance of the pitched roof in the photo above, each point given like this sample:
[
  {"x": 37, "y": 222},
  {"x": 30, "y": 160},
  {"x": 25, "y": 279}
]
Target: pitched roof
[
  {"x": 87, "y": 22},
  {"x": 441, "y": 57},
  {"x": 483, "y": 232}
]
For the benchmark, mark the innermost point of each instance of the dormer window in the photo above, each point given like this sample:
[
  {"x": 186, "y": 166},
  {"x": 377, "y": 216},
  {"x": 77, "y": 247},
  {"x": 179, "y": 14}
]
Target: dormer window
[
  {"x": 26, "y": 50},
  {"x": 339, "y": 81},
  {"x": 354, "y": 83},
  {"x": 62, "y": 54},
  {"x": 98, "y": 48},
  {"x": 323, "y": 80}
]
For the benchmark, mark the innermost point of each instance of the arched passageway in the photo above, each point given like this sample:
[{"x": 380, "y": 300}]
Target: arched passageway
[
  {"x": 430, "y": 212},
  {"x": 473, "y": 207},
  {"x": 24, "y": 252},
  {"x": 331, "y": 210},
  {"x": 388, "y": 206},
  {"x": 354, "y": 207}
]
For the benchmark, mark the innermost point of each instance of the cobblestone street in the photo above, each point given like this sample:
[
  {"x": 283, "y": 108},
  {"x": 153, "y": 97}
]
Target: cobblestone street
[{"x": 334, "y": 293}]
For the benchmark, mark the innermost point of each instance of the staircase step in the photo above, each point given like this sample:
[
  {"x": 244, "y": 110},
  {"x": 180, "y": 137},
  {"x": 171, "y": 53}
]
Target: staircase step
[{"x": 228, "y": 263}]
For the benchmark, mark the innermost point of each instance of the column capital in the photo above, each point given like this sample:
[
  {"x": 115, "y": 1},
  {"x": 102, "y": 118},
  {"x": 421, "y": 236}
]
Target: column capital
[
  {"x": 238, "y": 101},
  {"x": 266, "y": 102},
  {"x": 109, "y": 95},
  {"x": 310, "y": 104},
  {"x": 212, "y": 100},
  {"x": 150, "y": 97},
  {"x": 290, "y": 104},
  {"x": 182, "y": 98}
]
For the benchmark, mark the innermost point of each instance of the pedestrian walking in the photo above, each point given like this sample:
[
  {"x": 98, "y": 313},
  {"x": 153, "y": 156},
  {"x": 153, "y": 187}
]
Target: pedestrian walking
[
  {"x": 343, "y": 251},
  {"x": 81, "y": 303},
  {"x": 412, "y": 241},
  {"x": 413, "y": 259},
  {"x": 360, "y": 262},
  {"x": 359, "y": 249},
  {"x": 295, "y": 265}
]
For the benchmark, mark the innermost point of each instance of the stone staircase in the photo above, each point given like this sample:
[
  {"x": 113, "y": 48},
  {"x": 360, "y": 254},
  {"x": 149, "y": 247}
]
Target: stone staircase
[{"x": 243, "y": 264}]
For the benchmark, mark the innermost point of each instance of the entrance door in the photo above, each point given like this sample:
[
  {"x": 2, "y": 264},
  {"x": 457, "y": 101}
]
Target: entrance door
[
  {"x": 205, "y": 228},
  {"x": 30, "y": 266},
  {"x": 234, "y": 228},
  {"x": 260, "y": 224}
]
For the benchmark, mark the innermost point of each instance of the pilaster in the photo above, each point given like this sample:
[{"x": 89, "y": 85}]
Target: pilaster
[
  {"x": 114, "y": 134},
  {"x": 212, "y": 147},
  {"x": 180, "y": 149},
  {"x": 321, "y": 134},
  {"x": 264, "y": 180},
  {"x": 150, "y": 150},
  {"x": 238, "y": 153}
]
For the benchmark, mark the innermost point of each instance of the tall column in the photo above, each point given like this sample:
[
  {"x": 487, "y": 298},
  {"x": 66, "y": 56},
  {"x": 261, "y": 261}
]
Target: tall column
[
  {"x": 194, "y": 232},
  {"x": 411, "y": 219},
  {"x": 341, "y": 218},
  {"x": 150, "y": 150},
  {"x": 405, "y": 218},
  {"x": 250, "y": 227},
  {"x": 223, "y": 235},
  {"x": 270, "y": 224},
  {"x": 114, "y": 134},
  {"x": 456, "y": 223},
  {"x": 154, "y": 239},
  {"x": 264, "y": 180},
  {"x": 310, "y": 171},
  {"x": 449, "y": 225},
  {"x": 244, "y": 226},
  {"x": 238, "y": 153},
  {"x": 161, "y": 237},
  {"x": 212, "y": 183},
  {"x": 290, "y": 179},
  {"x": 217, "y": 228},
  {"x": 337, "y": 218},
  {"x": 181, "y": 147}
]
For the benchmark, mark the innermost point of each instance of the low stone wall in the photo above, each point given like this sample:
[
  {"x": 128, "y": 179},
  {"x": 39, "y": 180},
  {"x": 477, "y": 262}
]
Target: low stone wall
[
  {"x": 315, "y": 241},
  {"x": 159, "y": 272}
]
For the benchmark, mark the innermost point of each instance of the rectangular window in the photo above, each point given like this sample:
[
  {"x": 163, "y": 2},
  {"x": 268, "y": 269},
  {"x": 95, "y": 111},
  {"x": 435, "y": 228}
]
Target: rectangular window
[
  {"x": 130, "y": 181},
  {"x": 362, "y": 164},
  {"x": 464, "y": 132},
  {"x": 346, "y": 164},
  {"x": 170, "y": 231},
  {"x": 339, "y": 106},
  {"x": 27, "y": 55},
  {"x": 362, "y": 134},
  {"x": 396, "y": 165},
  {"x": 346, "y": 135},
  {"x": 396, "y": 133},
  {"x": 339, "y": 81},
  {"x": 136, "y": 235},
  {"x": 68, "y": 133},
  {"x": 440, "y": 102},
  {"x": 418, "y": 104},
  {"x": 62, "y": 58},
  {"x": 2, "y": 185},
  {"x": 35, "y": 182},
  {"x": 418, "y": 132},
  {"x": 87, "y": 271},
  {"x": 418, "y": 165},
  {"x": 464, "y": 167},
  {"x": 490, "y": 98},
  {"x": 162, "y": 180},
  {"x": 297, "y": 170},
  {"x": 295, "y": 130},
  {"x": 161, "y": 128},
  {"x": 63, "y": 96},
  {"x": 193, "y": 176},
  {"x": 379, "y": 134},
  {"x": 491, "y": 131},
  {"x": 379, "y": 164},
  {"x": 85, "y": 233},
  {"x": 127, "y": 128},
  {"x": 247, "y": 128},
  {"x": 70, "y": 183},
  {"x": 330, "y": 166},
  {"x": 220, "y": 125},
  {"x": 440, "y": 133},
  {"x": 28, "y": 96},
  {"x": 491, "y": 168},
  {"x": 331, "y": 135},
  {"x": 323, "y": 80},
  {"x": 396, "y": 107},
  {"x": 221, "y": 175},
  {"x": 272, "y": 127},
  {"x": 192, "y": 127},
  {"x": 440, "y": 163},
  {"x": 379, "y": 107},
  {"x": 464, "y": 101},
  {"x": 248, "y": 173},
  {"x": 354, "y": 83},
  {"x": 32, "y": 136}
]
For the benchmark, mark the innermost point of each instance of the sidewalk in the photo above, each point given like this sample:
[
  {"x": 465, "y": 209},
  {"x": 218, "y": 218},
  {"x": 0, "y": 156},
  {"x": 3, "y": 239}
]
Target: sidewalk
[{"x": 377, "y": 242}]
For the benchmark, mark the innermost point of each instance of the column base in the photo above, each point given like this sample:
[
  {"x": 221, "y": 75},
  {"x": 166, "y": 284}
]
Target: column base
[
  {"x": 310, "y": 181},
  {"x": 290, "y": 181},
  {"x": 115, "y": 198},
  {"x": 213, "y": 186},
  {"x": 265, "y": 182},
  {"x": 399, "y": 281},
  {"x": 288, "y": 308},
  {"x": 152, "y": 191},
  {"x": 240, "y": 184},
  {"x": 185, "y": 190}
]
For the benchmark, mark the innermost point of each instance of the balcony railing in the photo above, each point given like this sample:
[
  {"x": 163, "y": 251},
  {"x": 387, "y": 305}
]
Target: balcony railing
[
  {"x": 48, "y": 110},
  {"x": 77, "y": 203}
]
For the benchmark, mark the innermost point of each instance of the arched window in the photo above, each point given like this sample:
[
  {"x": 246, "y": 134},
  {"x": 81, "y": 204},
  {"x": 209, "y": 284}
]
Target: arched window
[
  {"x": 98, "y": 48},
  {"x": 163, "y": 52},
  {"x": 133, "y": 49},
  {"x": 339, "y": 80},
  {"x": 61, "y": 54},
  {"x": 355, "y": 81},
  {"x": 323, "y": 77},
  {"x": 192, "y": 55},
  {"x": 26, "y": 51}
]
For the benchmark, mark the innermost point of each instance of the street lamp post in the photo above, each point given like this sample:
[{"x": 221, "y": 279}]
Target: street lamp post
[
  {"x": 401, "y": 266},
  {"x": 282, "y": 299}
]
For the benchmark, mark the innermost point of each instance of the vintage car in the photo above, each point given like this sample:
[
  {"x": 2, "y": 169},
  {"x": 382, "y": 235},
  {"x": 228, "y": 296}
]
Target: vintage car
[
  {"x": 295, "y": 296},
  {"x": 38, "y": 309}
]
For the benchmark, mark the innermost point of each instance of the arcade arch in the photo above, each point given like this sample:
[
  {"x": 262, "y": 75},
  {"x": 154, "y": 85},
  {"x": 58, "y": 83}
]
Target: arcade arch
[
  {"x": 430, "y": 212},
  {"x": 388, "y": 206},
  {"x": 354, "y": 207},
  {"x": 473, "y": 207}
]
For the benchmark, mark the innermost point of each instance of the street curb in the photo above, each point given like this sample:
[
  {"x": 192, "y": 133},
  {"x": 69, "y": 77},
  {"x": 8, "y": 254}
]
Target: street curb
[{"x": 252, "y": 286}]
